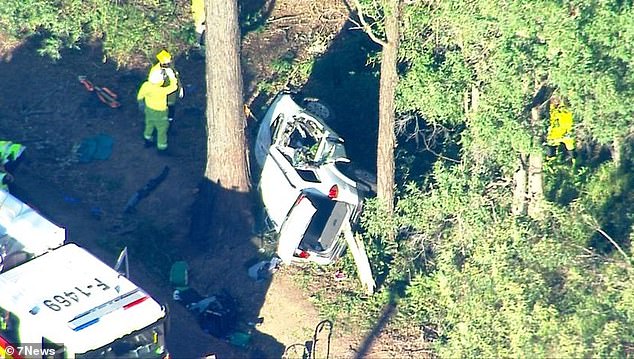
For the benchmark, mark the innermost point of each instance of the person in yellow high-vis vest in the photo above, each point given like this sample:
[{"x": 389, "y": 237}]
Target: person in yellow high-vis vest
[
  {"x": 5, "y": 180},
  {"x": 10, "y": 151},
  {"x": 10, "y": 156},
  {"x": 166, "y": 68},
  {"x": 152, "y": 99},
  {"x": 198, "y": 14},
  {"x": 561, "y": 126}
]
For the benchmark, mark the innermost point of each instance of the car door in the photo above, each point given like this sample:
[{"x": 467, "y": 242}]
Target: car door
[
  {"x": 330, "y": 148},
  {"x": 294, "y": 228},
  {"x": 267, "y": 135},
  {"x": 278, "y": 187}
]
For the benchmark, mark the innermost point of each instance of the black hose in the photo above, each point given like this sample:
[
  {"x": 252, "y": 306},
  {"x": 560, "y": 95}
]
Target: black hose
[{"x": 318, "y": 330}]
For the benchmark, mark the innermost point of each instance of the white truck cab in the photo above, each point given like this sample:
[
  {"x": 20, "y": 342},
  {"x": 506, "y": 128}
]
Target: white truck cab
[
  {"x": 24, "y": 233},
  {"x": 62, "y": 298}
]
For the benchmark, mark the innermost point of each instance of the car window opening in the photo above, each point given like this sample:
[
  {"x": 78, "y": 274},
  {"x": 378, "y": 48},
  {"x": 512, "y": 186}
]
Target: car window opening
[
  {"x": 326, "y": 222},
  {"x": 308, "y": 175}
]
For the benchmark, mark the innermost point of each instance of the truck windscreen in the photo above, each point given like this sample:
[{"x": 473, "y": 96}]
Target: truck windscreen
[{"x": 145, "y": 343}]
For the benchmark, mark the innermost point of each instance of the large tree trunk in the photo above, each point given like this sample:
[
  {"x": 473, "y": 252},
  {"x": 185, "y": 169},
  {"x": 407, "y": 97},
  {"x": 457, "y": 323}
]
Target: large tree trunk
[
  {"x": 528, "y": 191},
  {"x": 387, "y": 91},
  {"x": 520, "y": 188},
  {"x": 617, "y": 144},
  {"x": 226, "y": 184}
]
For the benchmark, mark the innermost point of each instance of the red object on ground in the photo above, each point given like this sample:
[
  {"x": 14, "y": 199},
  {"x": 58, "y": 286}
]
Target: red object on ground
[{"x": 104, "y": 94}]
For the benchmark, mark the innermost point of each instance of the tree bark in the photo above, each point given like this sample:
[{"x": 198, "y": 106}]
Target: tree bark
[
  {"x": 528, "y": 191},
  {"x": 535, "y": 167},
  {"x": 226, "y": 171},
  {"x": 617, "y": 144},
  {"x": 520, "y": 188},
  {"x": 387, "y": 109}
]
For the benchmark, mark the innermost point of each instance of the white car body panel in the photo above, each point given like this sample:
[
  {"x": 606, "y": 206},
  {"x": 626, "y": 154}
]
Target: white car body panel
[
  {"x": 278, "y": 189},
  {"x": 296, "y": 225}
]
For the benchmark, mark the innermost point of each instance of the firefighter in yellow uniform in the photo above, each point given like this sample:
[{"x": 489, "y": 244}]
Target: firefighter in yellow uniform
[
  {"x": 198, "y": 14},
  {"x": 152, "y": 98},
  {"x": 10, "y": 151},
  {"x": 10, "y": 154},
  {"x": 561, "y": 123},
  {"x": 165, "y": 68}
]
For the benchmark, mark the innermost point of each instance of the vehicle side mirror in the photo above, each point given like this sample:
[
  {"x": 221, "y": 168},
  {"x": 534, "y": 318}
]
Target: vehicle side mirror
[{"x": 342, "y": 160}]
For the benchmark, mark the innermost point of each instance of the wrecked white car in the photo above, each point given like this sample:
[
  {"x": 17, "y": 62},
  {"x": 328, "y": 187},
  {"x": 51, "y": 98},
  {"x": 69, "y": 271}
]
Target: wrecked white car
[{"x": 308, "y": 201}]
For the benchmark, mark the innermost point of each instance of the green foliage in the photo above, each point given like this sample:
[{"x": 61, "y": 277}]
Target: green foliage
[
  {"x": 597, "y": 190},
  {"x": 595, "y": 77},
  {"x": 380, "y": 251},
  {"x": 505, "y": 50},
  {"x": 252, "y": 21},
  {"x": 288, "y": 71},
  {"x": 443, "y": 78},
  {"x": 482, "y": 281},
  {"x": 125, "y": 28},
  {"x": 497, "y": 286}
]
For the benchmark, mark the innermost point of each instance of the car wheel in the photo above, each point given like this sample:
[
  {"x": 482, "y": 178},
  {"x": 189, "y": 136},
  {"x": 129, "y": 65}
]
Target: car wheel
[{"x": 318, "y": 108}]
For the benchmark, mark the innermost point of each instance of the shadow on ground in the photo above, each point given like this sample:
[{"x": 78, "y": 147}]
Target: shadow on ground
[{"x": 344, "y": 80}]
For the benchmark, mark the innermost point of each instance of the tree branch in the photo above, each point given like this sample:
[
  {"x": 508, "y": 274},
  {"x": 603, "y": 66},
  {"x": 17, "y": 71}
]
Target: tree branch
[
  {"x": 613, "y": 243},
  {"x": 594, "y": 224},
  {"x": 428, "y": 147},
  {"x": 366, "y": 27}
]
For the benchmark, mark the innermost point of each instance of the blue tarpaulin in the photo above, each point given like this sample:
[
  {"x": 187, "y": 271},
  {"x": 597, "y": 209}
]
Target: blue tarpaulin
[{"x": 98, "y": 147}]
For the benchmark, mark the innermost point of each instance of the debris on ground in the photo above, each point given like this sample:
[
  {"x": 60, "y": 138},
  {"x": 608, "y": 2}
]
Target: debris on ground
[
  {"x": 264, "y": 269},
  {"x": 145, "y": 190},
  {"x": 339, "y": 276},
  {"x": 94, "y": 148},
  {"x": 104, "y": 94}
]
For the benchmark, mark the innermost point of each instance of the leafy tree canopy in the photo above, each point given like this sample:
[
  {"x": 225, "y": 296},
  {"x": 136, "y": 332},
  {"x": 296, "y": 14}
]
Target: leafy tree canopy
[{"x": 124, "y": 28}]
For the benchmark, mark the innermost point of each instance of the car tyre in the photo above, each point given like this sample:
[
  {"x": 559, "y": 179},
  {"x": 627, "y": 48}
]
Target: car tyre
[{"x": 318, "y": 108}]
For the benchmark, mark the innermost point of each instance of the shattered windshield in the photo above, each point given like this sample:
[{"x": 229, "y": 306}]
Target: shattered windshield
[
  {"x": 307, "y": 143},
  {"x": 331, "y": 149}
]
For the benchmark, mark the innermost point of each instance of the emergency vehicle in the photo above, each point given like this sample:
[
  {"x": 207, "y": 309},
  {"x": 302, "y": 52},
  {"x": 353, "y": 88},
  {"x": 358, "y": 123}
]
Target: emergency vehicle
[{"x": 58, "y": 300}]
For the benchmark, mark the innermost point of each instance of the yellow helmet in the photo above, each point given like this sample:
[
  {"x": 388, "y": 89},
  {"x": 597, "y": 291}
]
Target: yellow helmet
[{"x": 164, "y": 57}]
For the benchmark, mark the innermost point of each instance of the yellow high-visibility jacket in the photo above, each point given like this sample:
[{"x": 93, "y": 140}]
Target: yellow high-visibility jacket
[
  {"x": 198, "y": 12},
  {"x": 155, "y": 96},
  {"x": 560, "y": 130}
]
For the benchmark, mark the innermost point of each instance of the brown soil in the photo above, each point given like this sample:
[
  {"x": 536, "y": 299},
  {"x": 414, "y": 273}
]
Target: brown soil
[{"x": 43, "y": 106}]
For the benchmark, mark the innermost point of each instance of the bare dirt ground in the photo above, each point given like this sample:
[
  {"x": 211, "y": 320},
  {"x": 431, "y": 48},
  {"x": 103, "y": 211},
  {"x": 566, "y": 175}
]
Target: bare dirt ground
[{"x": 43, "y": 106}]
